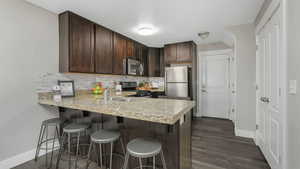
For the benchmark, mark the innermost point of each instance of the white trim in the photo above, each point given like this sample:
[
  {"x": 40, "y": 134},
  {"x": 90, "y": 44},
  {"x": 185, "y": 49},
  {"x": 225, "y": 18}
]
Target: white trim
[
  {"x": 216, "y": 52},
  {"x": 244, "y": 133},
  {"x": 268, "y": 14},
  {"x": 284, "y": 84},
  {"x": 23, "y": 157}
]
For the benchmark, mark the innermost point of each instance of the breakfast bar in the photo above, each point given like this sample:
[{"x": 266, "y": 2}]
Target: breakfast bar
[{"x": 166, "y": 120}]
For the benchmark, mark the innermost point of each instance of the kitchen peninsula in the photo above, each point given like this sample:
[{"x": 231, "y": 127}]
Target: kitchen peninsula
[{"x": 168, "y": 121}]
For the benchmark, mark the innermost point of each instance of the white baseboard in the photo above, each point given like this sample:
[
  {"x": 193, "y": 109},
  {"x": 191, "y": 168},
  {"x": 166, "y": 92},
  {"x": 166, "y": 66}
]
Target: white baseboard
[
  {"x": 245, "y": 133},
  {"x": 22, "y": 158}
]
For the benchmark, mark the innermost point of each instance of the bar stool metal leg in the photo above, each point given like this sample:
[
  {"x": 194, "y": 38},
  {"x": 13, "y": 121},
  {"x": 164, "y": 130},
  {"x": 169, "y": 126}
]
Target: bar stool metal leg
[
  {"x": 69, "y": 149},
  {"x": 77, "y": 149},
  {"x": 153, "y": 162},
  {"x": 101, "y": 155},
  {"x": 55, "y": 135},
  {"x": 163, "y": 160},
  {"x": 141, "y": 164},
  {"x": 62, "y": 141},
  {"x": 126, "y": 161},
  {"x": 111, "y": 154},
  {"x": 46, "y": 146},
  {"x": 39, "y": 142},
  {"x": 123, "y": 147},
  {"x": 89, "y": 155}
]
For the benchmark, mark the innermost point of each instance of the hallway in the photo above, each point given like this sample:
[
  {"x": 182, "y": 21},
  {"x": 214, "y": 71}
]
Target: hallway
[{"x": 214, "y": 146}]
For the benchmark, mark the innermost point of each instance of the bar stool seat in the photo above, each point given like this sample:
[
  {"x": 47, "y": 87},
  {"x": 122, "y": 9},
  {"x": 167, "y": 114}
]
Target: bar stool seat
[
  {"x": 52, "y": 122},
  {"x": 105, "y": 136},
  {"x": 75, "y": 128},
  {"x": 143, "y": 148}
]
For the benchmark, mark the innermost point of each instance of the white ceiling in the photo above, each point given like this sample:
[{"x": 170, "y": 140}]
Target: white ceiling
[{"x": 176, "y": 20}]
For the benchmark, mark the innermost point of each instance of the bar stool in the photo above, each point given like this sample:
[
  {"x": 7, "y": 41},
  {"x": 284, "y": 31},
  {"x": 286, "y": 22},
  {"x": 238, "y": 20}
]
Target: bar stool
[
  {"x": 68, "y": 130},
  {"x": 104, "y": 137},
  {"x": 144, "y": 148},
  {"x": 55, "y": 123}
]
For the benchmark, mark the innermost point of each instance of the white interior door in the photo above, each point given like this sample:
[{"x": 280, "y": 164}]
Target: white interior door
[
  {"x": 215, "y": 86},
  {"x": 269, "y": 103}
]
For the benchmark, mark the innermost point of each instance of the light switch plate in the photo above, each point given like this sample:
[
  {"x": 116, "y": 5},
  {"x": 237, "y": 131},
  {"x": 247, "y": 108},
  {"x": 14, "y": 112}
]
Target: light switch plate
[{"x": 293, "y": 87}]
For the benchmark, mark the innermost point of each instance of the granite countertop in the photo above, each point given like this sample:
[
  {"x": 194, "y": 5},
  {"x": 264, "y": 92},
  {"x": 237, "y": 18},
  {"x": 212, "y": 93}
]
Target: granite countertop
[{"x": 165, "y": 111}]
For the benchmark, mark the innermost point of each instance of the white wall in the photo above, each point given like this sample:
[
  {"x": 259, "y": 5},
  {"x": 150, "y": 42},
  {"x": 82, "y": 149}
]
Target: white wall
[
  {"x": 245, "y": 51},
  {"x": 293, "y": 106},
  {"x": 28, "y": 48}
]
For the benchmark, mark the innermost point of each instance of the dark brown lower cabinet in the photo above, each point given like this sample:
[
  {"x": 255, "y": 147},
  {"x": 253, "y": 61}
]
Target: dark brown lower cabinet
[
  {"x": 175, "y": 139},
  {"x": 103, "y": 50}
]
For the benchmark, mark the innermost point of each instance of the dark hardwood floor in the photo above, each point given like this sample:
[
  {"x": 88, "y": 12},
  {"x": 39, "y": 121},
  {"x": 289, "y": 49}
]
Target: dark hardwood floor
[{"x": 214, "y": 146}]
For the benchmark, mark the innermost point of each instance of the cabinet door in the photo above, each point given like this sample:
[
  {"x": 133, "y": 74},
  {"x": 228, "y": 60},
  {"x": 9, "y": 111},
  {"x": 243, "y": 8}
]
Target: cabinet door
[
  {"x": 103, "y": 50},
  {"x": 144, "y": 61},
  {"x": 171, "y": 53},
  {"x": 154, "y": 62},
  {"x": 120, "y": 51},
  {"x": 162, "y": 62},
  {"x": 184, "y": 52},
  {"x": 81, "y": 45},
  {"x": 130, "y": 49}
]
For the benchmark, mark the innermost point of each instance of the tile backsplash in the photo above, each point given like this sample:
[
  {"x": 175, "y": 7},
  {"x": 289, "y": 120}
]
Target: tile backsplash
[{"x": 86, "y": 81}]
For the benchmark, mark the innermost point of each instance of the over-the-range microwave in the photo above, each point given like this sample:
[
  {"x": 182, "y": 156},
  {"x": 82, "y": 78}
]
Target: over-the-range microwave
[{"x": 133, "y": 67}]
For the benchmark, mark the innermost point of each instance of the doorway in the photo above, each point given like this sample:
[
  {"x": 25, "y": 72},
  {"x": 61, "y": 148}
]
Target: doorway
[
  {"x": 270, "y": 96},
  {"x": 216, "y": 88}
]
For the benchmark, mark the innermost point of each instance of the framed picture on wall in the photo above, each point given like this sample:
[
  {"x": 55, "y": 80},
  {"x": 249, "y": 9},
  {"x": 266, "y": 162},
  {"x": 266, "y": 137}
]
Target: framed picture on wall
[{"x": 67, "y": 88}]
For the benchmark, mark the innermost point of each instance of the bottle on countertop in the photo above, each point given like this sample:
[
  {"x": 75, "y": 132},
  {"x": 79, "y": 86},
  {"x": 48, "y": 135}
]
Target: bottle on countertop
[{"x": 56, "y": 93}]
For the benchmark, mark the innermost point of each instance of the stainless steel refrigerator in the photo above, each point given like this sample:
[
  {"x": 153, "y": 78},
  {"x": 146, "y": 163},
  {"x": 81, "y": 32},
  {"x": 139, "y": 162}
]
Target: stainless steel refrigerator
[{"x": 177, "y": 81}]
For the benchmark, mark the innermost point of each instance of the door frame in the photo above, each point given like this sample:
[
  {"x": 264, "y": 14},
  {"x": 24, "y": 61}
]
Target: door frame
[
  {"x": 280, "y": 5},
  {"x": 232, "y": 79}
]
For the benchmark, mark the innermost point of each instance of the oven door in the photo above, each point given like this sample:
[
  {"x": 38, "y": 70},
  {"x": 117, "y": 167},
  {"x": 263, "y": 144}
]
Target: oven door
[{"x": 132, "y": 67}]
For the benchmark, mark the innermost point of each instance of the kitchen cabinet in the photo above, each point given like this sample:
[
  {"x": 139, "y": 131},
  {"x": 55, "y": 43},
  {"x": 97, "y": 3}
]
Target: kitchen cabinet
[
  {"x": 130, "y": 49},
  {"x": 76, "y": 43},
  {"x": 184, "y": 52},
  {"x": 103, "y": 50},
  {"x": 162, "y": 62},
  {"x": 144, "y": 61},
  {"x": 170, "y": 53},
  {"x": 119, "y": 56},
  {"x": 179, "y": 53},
  {"x": 154, "y": 64}
]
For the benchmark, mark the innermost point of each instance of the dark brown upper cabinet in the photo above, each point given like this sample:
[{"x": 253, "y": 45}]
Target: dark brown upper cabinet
[
  {"x": 103, "y": 50},
  {"x": 170, "y": 53},
  {"x": 179, "y": 52},
  {"x": 76, "y": 44},
  {"x": 154, "y": 62},
  {"x": 184, "y": 52},
  {"x": 119, "y": 56},
  {"x": 144, "y": 61},
  {"x": 130, "y": 49}
]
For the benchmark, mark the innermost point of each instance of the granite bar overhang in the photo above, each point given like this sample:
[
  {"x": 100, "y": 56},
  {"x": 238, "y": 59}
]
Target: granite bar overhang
[{"x": 164, "y": 111}]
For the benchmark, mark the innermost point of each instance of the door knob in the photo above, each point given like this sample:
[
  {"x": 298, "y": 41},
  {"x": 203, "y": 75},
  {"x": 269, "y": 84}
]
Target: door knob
[
  {"x": 203, "y": 90},
  {"x": 265, "y": 99}
]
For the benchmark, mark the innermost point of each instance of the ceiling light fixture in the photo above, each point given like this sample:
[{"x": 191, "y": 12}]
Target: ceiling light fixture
[
  {"x": 203, "y": 35},
  {"x": 146, "y": 31}
]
